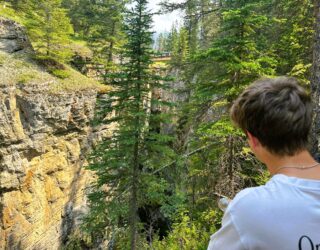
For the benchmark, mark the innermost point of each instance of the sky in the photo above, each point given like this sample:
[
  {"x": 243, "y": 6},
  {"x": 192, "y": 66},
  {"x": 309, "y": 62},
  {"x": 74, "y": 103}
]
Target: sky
[{"x": 163, "y": 23}]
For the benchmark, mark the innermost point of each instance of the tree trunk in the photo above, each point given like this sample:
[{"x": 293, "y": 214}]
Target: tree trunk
[
  {"x": 135, "y": 174},
  {"x": 110, "y": 52},
  {"x": 133, "y": 207},
  {"x": 136, "y": 159},
  {"x": 315, "y": 83}
]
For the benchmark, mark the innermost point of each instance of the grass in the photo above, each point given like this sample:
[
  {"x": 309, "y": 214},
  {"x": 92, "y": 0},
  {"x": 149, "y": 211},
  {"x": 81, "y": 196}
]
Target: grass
[
  {"x": 26, "y": 77},
  {"x": 2, "y": 60},
  {"x": 60, "y": 73},
  {"x": 77, "y": 82},
  {"x": 21, "y": 69},
  {"x": 80, "y": 47}
]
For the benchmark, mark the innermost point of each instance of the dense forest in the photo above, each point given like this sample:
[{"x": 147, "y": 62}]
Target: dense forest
[{"x": 174, "y": 152}]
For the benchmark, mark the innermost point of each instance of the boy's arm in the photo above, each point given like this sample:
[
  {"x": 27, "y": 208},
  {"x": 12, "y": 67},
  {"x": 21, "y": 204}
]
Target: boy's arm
[{"x": 227, "y": 237}]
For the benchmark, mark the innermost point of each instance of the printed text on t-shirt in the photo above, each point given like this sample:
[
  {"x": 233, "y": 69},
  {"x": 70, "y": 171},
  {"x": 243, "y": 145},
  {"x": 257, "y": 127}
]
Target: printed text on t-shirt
[{"x": 306, "y": 243}]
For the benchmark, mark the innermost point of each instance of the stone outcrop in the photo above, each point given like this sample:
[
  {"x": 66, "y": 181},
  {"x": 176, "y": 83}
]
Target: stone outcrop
[
  {"x": 13, "y": 37},
  {"x": 43, "y": 140}
]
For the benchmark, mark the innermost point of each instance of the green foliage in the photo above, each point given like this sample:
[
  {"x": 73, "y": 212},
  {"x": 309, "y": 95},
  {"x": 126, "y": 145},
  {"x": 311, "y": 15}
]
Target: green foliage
[
  {"x": 49, "y": 28},
  {"x": 53, "y": 66},
  {"x": 217, "y": 52},
  {"x": 48, "y": 62},
  {"x": 239, "y": 50},
  {"x": 293, "y": 32},
  {"x": 100, "y": 24},
  {"x": 262, "y": 178},
  {"x": 2, "y": 59},
  {"x": 180, "y": 47},
  {"x": 26, "y": 77},
  {"x": 162, "y": 44},
  {"x": 7, "y": 11},
  {"x": 220, "y": 128},
  {"x": 189, "y": 234},
  {"x": 128, "y": 163},
  {"x": 78, "y": 240},
  {"x": 62, "y": 74}
]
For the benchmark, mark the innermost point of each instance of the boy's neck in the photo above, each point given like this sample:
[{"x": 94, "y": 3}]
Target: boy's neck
[{"x": 292, "y": 165}]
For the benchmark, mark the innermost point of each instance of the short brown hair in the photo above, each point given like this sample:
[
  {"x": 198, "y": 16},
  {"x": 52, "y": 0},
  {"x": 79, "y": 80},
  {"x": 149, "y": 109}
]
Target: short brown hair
[{"x": 278, "y": 112}]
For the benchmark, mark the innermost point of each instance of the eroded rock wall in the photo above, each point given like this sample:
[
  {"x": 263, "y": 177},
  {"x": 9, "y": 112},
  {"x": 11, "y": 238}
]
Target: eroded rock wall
[{"x": 44, "y": 138}]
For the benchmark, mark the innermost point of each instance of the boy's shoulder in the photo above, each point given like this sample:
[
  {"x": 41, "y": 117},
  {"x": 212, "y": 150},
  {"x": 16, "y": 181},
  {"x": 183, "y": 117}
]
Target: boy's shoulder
[
  {"x": 254, "y": 198},
  {"x": 276, "y": 198}
]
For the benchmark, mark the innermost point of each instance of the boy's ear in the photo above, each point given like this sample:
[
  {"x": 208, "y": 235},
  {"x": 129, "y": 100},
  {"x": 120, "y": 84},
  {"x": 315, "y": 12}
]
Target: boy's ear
[{"x": 253, "y": 140}]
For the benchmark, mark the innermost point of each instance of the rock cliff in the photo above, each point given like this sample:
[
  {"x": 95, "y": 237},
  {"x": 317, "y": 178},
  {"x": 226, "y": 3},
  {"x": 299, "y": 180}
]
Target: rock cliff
[{"x": 44, "y": 138}]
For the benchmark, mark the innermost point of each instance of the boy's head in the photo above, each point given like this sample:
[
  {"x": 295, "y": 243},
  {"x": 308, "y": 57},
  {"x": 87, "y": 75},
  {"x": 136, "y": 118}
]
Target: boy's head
[{"x": 278, "y": 112}]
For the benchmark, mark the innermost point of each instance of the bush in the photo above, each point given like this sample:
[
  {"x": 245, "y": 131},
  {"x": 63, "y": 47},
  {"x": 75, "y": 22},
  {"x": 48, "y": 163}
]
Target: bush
[
  {"x": 25, "y": 77},
  {"x": 49, "y": 63},
  {"x": 2, "y": 59},
  {"x": 62, "y": 74},
  {"x": 188, "y": 234},
  {"x": 53, "y": 66}
]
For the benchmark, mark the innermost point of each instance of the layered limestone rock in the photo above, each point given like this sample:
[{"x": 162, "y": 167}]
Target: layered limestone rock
[{"x": 43, "y": 140}]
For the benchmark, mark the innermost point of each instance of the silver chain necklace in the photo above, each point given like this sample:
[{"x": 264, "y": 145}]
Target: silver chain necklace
[{"x": 301, "y": 168}]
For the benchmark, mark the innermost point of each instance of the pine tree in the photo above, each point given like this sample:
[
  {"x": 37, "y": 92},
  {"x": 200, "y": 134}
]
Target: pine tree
[
  {"x": 127, "y": 165},
  {"x": 180, "y": 47},
  {"x": 172, "y": 38},
  {"x": 208, "y": 22},
  {"x": 291, "y": 37},
  {"x": 315, "y": 81},
  {"x": 192, "y": 25},
  {"x": 162, "y": 43},
  {"x": 49, "y": 27},
  {"x": 100, "y": 24}
]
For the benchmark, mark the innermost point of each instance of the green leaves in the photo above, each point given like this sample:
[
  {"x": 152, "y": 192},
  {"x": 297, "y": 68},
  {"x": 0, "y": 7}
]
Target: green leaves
[
  {"x": 49, "y": 28},
  {"x": 188, "y": 234},
  {"x": 221, "y": 128}
]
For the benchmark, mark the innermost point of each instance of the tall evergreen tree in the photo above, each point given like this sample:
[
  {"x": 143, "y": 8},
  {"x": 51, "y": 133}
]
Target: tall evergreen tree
[
  {"x": 172, "y": 38},
  {"x": 315, "y": 83},
  {"x": 127, "y": 164},
  {"x": 162, "y": 43},
  {"x": 100, "y": 24},
  {"x": 192, "y": 25},
  {"x": 291, "y": 37},
  {"x": 48, "y": 26},
  {"x": 180, "y": 47}
]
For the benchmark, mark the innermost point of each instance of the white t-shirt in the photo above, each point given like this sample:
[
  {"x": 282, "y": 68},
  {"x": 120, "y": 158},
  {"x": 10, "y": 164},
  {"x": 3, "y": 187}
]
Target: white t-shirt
[{"x": 284, "y": 214}]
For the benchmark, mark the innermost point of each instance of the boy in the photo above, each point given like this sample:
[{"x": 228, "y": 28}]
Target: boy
[{"x": 284, "y": 214}]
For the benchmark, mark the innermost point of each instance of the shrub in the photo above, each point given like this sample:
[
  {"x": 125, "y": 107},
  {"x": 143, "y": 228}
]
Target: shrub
[
  {"x": 49, "y": 63},
  {"x": 2, "y": 59},
  {"x": 25, "y": 77},
  {"x": 62, "y": 74},
  {"x": 189, "y": 234}
]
